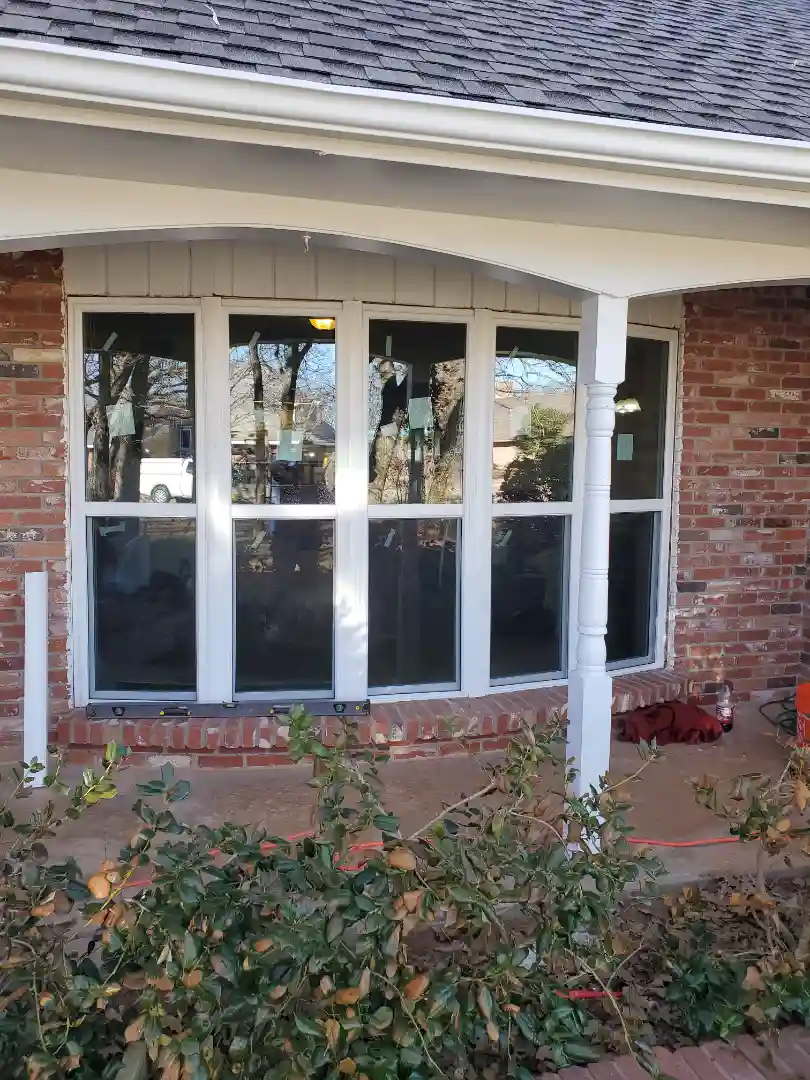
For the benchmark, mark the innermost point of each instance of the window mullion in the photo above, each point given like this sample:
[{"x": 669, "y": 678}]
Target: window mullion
[
  {"x": 214, "y": 525},
  {"x": 476, "y": 538},
  {"x": 351, "y": 495},
  {"x": 81, "y": 593},
  {"x": 575, "y": 527}
]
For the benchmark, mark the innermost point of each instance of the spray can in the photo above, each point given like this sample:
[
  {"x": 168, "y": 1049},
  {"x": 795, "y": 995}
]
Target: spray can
[
  {"x": 803, "y": 714},
  {"x": 724, "y": 710}
]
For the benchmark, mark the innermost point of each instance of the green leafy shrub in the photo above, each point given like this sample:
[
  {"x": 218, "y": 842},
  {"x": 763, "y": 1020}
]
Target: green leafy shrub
[
  {"x": 471, "y": 948},
  {"x": 449, "y": 952},
  {"x": 38, "y": 900}
]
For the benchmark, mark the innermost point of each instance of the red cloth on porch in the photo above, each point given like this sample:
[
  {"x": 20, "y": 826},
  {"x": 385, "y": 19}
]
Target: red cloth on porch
[{"x": 671, "y": 722}]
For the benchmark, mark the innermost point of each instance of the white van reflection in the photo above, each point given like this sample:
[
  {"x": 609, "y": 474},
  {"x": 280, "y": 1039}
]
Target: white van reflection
[{"x": 165, "y": 478}]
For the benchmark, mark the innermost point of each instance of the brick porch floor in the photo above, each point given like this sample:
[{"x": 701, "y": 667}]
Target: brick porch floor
[
  {"x": 785, "y": 1058},
  {"x": 412, "y": 729}
]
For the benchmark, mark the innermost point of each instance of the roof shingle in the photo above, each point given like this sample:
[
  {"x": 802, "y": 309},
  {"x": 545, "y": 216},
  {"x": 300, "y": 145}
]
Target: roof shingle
[{"x": 729, "y": 65}]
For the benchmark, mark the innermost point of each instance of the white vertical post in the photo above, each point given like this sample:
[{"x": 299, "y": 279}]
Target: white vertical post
[
  {"x": 35, "y": 674},
  {"x": 476, "y": 537},
  {"x": 602, "y": 349},
  {"x": 351, "y": 503},
  {"x": 215, "y": 619}
]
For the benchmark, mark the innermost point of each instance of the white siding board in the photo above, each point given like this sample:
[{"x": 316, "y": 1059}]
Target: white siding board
[
  {"x": 296, "y": 275},
  {"x": 128, "y": 270},
  {"x": 665, "y": 311},
  {"x": 453, "y": 287},
  {"x": 414, "y": 284},
  {"x": 489, "y": 293},
  {"x": 212, "y": 268},
  {"x": 374, "y": 279},
  {"x": 341, "y": 275},
  {"x": 85, "y": 271},
  {"x": 522, "y": 297},
  {"x": 254, "y": 270},
  {"x": 551, "y": 304},
  {"x": 169, "y": 269}
]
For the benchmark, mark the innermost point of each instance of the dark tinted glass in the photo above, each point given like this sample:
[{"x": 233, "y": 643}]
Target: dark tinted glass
[
  {"x": 528, "y": 596},
  {"x": 139, "y": 406},
  {"x": 284, "y": 606},
  {"x": 413, "y": 602},
  {"x": 638, "y": 440},
  {"x": 533, "y": 422},
  {"x": 416, "y": 411},
  {"x": 144, "y": 627},
  {"x": 631, "y": 583},
  {"x": 282, "y": 376}
]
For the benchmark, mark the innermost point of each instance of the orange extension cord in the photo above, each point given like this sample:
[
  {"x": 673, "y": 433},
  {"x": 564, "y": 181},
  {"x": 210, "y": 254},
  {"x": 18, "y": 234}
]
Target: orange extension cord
[{"x": 266, "y": 846}]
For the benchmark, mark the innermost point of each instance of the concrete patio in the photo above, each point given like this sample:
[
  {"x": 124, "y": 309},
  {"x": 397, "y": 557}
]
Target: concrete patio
[{"x": 279, "y": 799}]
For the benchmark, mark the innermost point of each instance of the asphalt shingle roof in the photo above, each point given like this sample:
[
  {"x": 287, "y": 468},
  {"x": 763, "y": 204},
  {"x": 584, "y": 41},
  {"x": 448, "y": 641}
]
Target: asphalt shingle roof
[{"x": 728, "y": 65}]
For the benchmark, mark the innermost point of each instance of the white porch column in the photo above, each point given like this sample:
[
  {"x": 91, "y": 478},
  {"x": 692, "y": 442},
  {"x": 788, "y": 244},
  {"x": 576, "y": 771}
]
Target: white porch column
[{"x": 602, "y": 347}]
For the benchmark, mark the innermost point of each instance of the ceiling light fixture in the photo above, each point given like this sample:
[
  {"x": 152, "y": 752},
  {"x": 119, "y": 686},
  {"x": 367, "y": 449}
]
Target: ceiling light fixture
[
  {"x": 628, "y": 405},
  {"x": 323, "y": 324}
]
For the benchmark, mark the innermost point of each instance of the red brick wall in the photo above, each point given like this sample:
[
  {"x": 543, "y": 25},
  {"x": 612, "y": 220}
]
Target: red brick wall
[
  {"x": 32, "y": 466},
  {"x": 744, "y": 486}
]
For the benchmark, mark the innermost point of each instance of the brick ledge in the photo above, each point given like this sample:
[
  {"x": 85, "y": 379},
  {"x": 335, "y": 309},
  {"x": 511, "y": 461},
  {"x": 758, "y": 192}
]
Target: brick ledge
[{"x": 410, "y": 728}]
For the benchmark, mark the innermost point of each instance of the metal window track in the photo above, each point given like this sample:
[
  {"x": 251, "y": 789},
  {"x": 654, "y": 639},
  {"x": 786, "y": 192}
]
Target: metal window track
[{"x": 153, "y": 710}]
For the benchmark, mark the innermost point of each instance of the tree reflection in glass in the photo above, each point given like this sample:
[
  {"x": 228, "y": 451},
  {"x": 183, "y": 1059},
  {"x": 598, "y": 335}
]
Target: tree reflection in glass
[
  {"x": 139, "y": 406},
  {"x": 416, "y": 412},
  {"x": 533, "y": 429},
  {"x": 282, "y": 386}
]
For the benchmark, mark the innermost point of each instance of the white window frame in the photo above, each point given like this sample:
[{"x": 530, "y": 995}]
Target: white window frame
[
  {"x": 662, "y": 506},
  {"x": 421, "y": 511},
  {"x": 214, "y": 512},
  {"x": 535, "y": 510},
  {"x": 83, "y": 509}
]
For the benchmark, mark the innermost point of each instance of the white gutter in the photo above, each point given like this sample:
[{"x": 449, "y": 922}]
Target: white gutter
[{"x": 31, "y": 72}]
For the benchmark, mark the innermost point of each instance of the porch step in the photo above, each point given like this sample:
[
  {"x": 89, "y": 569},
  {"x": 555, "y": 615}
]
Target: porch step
[{"x": 411, "y": 729}]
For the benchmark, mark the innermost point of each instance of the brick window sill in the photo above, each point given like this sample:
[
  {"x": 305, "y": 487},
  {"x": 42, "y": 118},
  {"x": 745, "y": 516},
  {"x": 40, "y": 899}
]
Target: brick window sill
[{"x": 410, "y": 728}]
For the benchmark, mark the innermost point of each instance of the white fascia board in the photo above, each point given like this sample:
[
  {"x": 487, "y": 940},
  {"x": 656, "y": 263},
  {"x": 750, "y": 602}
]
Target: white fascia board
[{"x": 147, "y": 94}]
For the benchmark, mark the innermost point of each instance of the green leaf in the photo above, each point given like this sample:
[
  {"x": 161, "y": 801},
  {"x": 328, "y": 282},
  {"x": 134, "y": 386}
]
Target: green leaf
[
  {"x": 181, "y": 790},
  {"x": 191, "y": 950},
  {"x": 238, "y": 1050},
  {"x": 133, "y": 1063},
  {"x": 308, "y": 1027},
  {"x": 387, "y": 824},
  {"x": 223, "y": 966},
  {"x": 334, "y": 928},
  {"x": 578, "y": 1052},
  {"x": 409, "y": 1055},
  {"x": 381, "y": 1018}
]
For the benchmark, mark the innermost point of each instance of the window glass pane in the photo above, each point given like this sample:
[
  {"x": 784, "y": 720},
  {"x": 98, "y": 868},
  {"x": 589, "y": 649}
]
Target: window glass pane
[
  {"x": 413, "y": 602},
  {"x": 533, "y": 424},
  {"x": 416, "y": 411},
  {"x": 144, "y": 623},
  {"x": 638, "y": 440},
  {"x": 632, "y": 578},
  {"x": 528, "y": 596},
  {"x": 282, "y": 377},
  {"x": 284, "y": 605},
  {"x": 139, "y": 406}
]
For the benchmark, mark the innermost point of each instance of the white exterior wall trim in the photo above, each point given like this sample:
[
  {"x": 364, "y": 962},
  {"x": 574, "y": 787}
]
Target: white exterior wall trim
[{"x": 62, "y": 75}]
